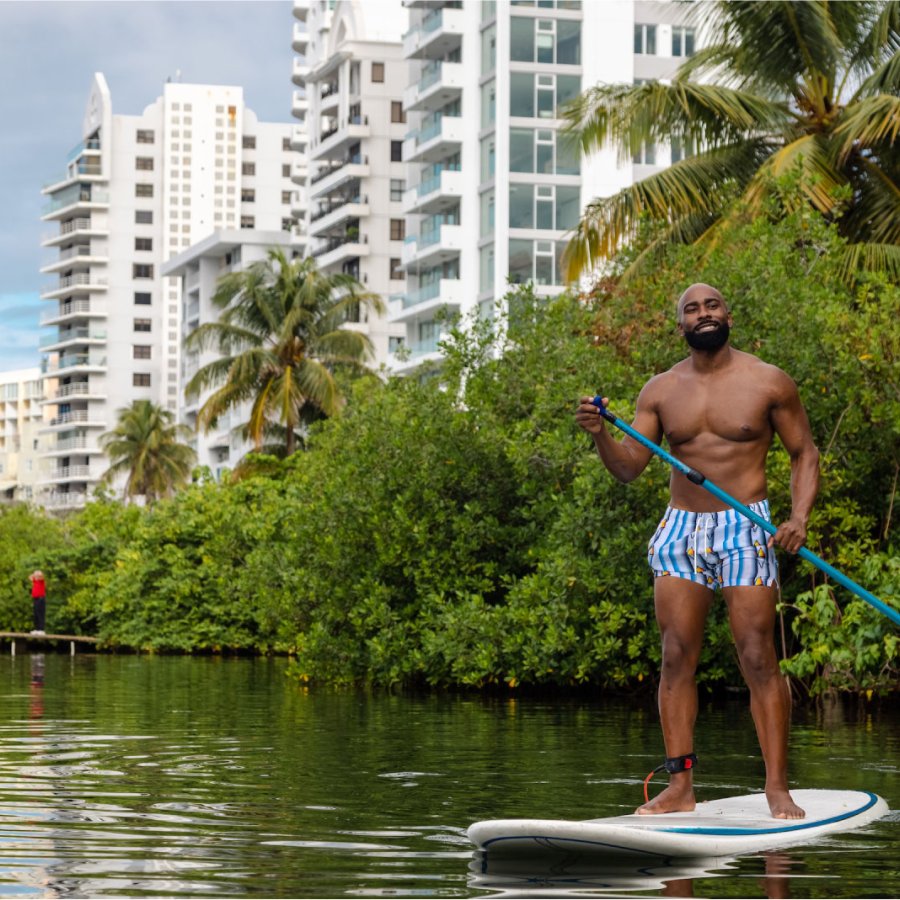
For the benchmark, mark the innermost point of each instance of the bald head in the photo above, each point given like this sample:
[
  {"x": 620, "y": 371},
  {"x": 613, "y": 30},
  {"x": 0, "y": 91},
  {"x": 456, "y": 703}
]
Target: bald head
[{"x": 701, "y": 292}]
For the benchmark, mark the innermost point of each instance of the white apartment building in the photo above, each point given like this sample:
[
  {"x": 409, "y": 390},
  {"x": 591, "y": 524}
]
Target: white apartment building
[
  {"x": 350, "y": 75},
  {"x": 199, "y": 269},
  {"x": 493, "y": 188},
  {"x": 137, "y": 190},
  {"x": 21, "y": 420}
]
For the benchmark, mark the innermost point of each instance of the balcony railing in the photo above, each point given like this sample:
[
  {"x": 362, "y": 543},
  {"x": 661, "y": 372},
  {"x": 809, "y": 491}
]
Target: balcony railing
[
  {"x": 334, "y": 242},
  {"x": 74, "y": 443},
  {"x": 74, "y": 171},
  {"x": 326, "y": 209},
  {"x": 66, "y": 500},
  {"x": 71, "y": 308},
  {"x": 71, "y": 197},
  {"x": 67, "y": 418},
  {"x": 354, "y": 160},
  {"x": 78, "y": 389},
  {"x": 74, "y": 334},
  {"x": 70, "y": 362}
]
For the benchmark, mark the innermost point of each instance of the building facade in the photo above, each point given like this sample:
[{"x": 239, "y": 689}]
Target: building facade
[
  {"x": 137, "y": 190},
  {"x": 22, "y": 411},
  {"x": 493, "y": 188},
  {"x": 352, "y": 74}
]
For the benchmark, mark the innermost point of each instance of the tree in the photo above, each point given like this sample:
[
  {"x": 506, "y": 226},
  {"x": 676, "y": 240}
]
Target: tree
[
  {"x": 282, "y": 339},
  {"x": 810, "y": 84},
  {"x": 146, "y": 445}
]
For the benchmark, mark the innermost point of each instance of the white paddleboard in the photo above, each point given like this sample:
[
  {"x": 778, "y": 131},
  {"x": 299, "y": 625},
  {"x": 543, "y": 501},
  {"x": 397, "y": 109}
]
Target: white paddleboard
[{"x": 716, "y": 828}]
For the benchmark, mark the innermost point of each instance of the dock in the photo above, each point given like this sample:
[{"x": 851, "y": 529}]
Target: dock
[{"x": 30, "y": 637}]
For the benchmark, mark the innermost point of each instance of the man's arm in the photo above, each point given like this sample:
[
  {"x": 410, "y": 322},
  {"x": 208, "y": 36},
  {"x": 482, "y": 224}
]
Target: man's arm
[
  {"x": 625, "y": 459},
  {"x": 791, "y": 424}
]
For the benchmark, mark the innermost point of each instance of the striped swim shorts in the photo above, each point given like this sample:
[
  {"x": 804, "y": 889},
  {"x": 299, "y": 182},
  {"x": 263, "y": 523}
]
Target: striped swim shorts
[{"x": 715, "y": 549}]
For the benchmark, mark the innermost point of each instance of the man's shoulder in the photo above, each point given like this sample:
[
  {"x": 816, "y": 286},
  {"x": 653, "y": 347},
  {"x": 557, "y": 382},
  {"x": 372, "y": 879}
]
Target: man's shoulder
[{"x": 762, "y": 369}]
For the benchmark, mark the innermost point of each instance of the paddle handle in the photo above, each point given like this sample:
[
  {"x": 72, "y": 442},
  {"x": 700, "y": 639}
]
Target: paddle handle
[{"x": 700, "y": 479}]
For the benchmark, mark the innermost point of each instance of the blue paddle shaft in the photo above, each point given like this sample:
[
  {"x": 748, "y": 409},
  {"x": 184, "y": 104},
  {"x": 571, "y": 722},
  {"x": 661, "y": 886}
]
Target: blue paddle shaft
[{"x": 700, "y": 479}]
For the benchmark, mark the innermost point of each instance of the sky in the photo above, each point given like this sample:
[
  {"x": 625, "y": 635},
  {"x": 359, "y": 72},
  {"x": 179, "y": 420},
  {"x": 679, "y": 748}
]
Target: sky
[{"x": 49, "y": 51}]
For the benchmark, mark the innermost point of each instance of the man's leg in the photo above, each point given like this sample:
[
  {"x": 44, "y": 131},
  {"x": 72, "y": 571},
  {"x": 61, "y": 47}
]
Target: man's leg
[
  {"x": 681, "y": 610},
  {"x": 751, "y": 612}
]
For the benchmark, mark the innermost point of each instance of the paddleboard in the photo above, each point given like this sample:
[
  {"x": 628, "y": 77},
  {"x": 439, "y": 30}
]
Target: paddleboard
[{"x": 716, "y": 828}]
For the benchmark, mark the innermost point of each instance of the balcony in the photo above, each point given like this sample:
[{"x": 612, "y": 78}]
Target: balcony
[
  {"x": 439, "y": 33},
  {"x": 329, "y": 179},
  {"x": 299, "y": 104},
  {"x": 78, "y": 417},
  {"x": 79, "y": 255},
  {"x": 83, "y": 170},
  {"x": 65, "y": 500},
  {"x": 339, "y": 249},
  {"x": 74, "y": 309},
  {"x": 75, "y": 364},
  {"x": 336, "y": 213},
  {"x": 84, "y": 390},
  {"x": 447, "y": 292},
  {"x": 435, "y": 194},
  {"x": 67, "y": 230},
  {"x": 70, "y": 473},
  {"x": 335, "y": 143},
  {"x": 74, "y": 336},
  {"x": 329, "y": 95},
  {"x": 81, "y": 282},
  {"x": 439, "y": 83},
  {"x": 433, "y": 247},
  {"x": 416, "y": 354},
  {"x": 435, "y": 141},
  {"x": 82, "y": 198},
  {"x": 299, "y": 37}
]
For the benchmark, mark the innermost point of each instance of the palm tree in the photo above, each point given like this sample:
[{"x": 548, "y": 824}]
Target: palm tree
[
  {"x": 810, "y": 86},
  {"x": 146, "y": 445},
  {"x": 281, "y": 337}
]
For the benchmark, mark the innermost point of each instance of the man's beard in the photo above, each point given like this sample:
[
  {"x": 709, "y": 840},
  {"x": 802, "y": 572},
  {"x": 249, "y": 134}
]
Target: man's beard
[{"x": 713, "y": 339}]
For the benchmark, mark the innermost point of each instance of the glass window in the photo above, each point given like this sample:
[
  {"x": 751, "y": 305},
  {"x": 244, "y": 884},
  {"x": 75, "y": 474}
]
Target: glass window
[
  {"x": 398, "y": 186},
  {"x": 568, "y": 204},
  {"x": 488, "y": 104},
  {"x": 488, "y": 10},
  {"x": 568, "y": 42},
  {"x": 488, "y": 49},
  {"x": 568, "y": 87},
  {"x": 521, "y": 150},
  {"x": 544, "y": 151},
  {"x": 544, "y": 41},
  {"x": 378, "y": 72},
  {"x": 248, "y": 141},
  {"x": 521, "y": 206},
  {"x": 682, "y": 41},
  {"x": 521, "y": 39},
  {"x": 646, "y": 156},
  {"x": 396, "y": 151},
  {"x": 486, "y": 267},
  {"x": 487, "y": 214},
  {"x": 487, "y": 159},
  {"x": 521, "y": 261},
  {"x": 568, "y": 160},
  {"x": 645, "y": 39},
  {"x": 546, "y": 107},
  {"x": 521, "y": 95},
  {"x": 397, "y": 112}
]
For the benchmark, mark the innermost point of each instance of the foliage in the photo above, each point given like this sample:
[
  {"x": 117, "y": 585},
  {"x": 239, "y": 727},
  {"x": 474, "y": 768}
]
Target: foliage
[
  {"x": 785, "y": 84},
  {"x": 146, "y": 446},
  {"x": 280, "y": 339}
]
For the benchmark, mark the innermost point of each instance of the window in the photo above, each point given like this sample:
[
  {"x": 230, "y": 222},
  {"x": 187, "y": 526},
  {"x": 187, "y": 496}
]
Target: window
[
  {"x": 540, "y": 96},
  {"x": 544, "y": 206},
  {"x": 488, "y": 104},
  {"x": 545, "y": 41},
  {"x": 398, "y": 186},
  {"x": 143, "y": 190},
  {"x": 397, "y": 113},
  {"x": 378, "y": 73},
  {"x": 488, "y": 49},
  {"x": 143, "y": 163},
  {"x": 287, "y": 224},
  {"x": 142, "y": 325},
  {"x": 681, "y": 149},
  {"x": 142, "y": 270},
  {"x": 286, "y": 170},
  {"x": 286, "y": 143},
  {"x": 248, "y": 168},
  {"x": 141, "y": 351},
  {"x": 682, "y": 41},
  {"x": 396, "y": 151},
  {"x": 398, "y": 229},
  {"x": 248, "y": 141},
  {"x": 248, "y": 222},
  {"x": 487, "y": 214},
  {"x": 142, "y": 298},
  {"x": 140, "y": 379},
  {"x": 396, "y": 272},
  {"x": 143, "y": 216},
  {"x": 286, "y": 196},
  {"x": 144, "y": 136},
  {"x": 248, "y": 195},
  {"x": 646, "y": 156},
  {"x": 143, "y": 243},
  {"x": 645, "y": 39}
]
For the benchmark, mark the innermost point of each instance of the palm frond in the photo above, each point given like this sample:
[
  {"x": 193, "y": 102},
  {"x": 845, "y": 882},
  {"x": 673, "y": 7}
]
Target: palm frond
[
  {"x": 870, "y": 122},
  {"x": 859, "y": 258}
]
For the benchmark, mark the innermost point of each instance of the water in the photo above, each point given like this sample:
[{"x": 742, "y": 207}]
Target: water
[{"x": 137, "y": 776}]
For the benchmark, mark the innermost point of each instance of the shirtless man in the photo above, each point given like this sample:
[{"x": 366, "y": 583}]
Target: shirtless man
[{"x": 719, "y": 409}]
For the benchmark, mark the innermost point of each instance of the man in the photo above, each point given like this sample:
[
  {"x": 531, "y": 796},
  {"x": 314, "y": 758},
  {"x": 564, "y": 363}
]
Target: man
[
  {"x": 719, "y": 409},
  {"x": 38, "y": 600}
]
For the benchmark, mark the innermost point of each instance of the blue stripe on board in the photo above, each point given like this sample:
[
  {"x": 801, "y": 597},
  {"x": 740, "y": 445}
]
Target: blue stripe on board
[{"x": 800, "y": 826}]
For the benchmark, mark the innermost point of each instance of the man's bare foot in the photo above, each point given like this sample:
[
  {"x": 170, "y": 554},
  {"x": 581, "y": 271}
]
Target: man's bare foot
[
  {"x": 782, "y": 806},
  {"x": 675, "y": 798}
]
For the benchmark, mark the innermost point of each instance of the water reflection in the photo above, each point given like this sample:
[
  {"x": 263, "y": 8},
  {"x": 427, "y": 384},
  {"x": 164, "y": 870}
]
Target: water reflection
[{"x": 580, "y": 876}]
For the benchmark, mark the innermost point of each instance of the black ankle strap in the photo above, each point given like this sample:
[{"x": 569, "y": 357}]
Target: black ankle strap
[{"x": 674, "y": 764}]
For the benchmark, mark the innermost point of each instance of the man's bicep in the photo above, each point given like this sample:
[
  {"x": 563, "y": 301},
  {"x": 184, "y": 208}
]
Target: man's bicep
[{"x": 789, "y": 419}]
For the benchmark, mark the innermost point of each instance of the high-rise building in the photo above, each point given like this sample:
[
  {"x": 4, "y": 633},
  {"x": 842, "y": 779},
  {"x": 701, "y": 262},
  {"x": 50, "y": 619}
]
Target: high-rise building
[
  {"x": 21, "y": 419},
  {"x": 350, "y": 75},
  {"x": 136, "y": 190},
  {"x": 493, "y": 187}
]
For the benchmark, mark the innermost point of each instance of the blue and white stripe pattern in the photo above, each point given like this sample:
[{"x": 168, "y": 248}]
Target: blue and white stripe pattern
[{"x": 715, "y": 549}]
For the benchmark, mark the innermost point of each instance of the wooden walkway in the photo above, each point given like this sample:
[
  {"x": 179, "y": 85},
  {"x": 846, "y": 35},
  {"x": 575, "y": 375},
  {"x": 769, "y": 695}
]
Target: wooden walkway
[{"x": 32, "y": 638}]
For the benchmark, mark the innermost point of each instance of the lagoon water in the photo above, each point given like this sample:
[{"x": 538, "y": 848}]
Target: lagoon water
[{"x": 128, "y": 776}]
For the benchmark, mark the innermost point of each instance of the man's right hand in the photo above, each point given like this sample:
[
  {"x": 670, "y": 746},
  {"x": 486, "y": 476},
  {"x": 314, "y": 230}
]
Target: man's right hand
[{"x": 588, "y": 416}]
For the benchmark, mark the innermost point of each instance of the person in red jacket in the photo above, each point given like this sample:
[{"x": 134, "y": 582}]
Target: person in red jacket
[{"x": 39, "y": 600}]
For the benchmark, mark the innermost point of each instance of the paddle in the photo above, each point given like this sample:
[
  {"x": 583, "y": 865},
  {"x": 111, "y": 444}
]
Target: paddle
[{"x": 700, "y": 479}]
